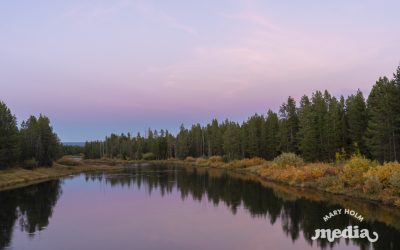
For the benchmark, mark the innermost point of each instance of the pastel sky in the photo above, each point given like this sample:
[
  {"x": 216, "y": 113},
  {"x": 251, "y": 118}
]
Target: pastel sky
[{"x": 96, "y": 67}]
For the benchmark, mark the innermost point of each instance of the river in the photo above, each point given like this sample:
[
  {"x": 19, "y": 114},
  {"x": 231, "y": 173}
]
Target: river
[{"x": 158, "y": 207}]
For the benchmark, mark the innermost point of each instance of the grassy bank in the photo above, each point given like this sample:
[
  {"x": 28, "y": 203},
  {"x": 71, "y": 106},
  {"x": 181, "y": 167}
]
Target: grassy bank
[
  {"x": 18, "y": 177},
  {"x": 357, "y": 177}
]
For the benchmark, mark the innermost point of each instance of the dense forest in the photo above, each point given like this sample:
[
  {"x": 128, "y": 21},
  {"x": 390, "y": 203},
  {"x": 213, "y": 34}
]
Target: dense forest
[
  {"x": 33, "y": 144},
  {"x": 320, "y": 127}
]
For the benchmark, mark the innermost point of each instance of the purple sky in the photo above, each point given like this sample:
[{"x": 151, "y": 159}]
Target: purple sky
[{"x": 96, "y": 67}]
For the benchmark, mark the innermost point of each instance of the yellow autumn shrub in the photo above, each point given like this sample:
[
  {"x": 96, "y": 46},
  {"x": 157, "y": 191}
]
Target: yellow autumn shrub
[
  {"x": 384, "y": 172},
  {"x": 244, "y": 163},
  {"x": 315, "y": 170},
  {"x": 288, "y": 160},
  {"x": 353, "y": 171},
  {"x": 190, "y": 159},
  {"x": 201, "y": 161},
  {"x": 216, "y": 158}
]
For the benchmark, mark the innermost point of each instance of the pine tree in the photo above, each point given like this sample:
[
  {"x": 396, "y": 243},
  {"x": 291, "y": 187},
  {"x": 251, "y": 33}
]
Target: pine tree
[
  {"x": 231, "y": 140},
  {"x": 271, "y": 135},
  {"x": 254, "y": 128},
  {"x": 320, "y": 110},
  {"x": 334, "y": 132},
  {"x": 344, "y": 140},
  {"x": 382, "y": 131},
  {"x": 182, "y": 143},
  {"x": 48, "y": 143},
  {"x": 307, "y": 135},
  {"x": 9, "y": 148},
  {"x": 214, "y": 138},
  {"x": 289, "y": 126},
  {"x": 357, "y": 122},
  {"x": 196, "y": 141},
  {"x": 39, "y": 142}
]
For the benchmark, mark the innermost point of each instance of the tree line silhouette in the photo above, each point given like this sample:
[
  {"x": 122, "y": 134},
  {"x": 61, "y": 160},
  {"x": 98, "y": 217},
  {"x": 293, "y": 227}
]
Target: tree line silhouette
[{"x": 318, "y": 127}]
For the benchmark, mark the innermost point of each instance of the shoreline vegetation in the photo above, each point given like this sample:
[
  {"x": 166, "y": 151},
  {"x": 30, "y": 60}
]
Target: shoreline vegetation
[
  {"x": 289, "y": 177},
  {"x": 20, "y": 177},
  {"x": 357, "y": 177}
]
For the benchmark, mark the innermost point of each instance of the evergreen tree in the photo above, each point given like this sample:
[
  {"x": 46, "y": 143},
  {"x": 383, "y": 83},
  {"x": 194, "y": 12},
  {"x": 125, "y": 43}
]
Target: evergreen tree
[
  {"x": 357, "y": 122},
  {"x": 271, "y": 135},
  {"x": 214, "y": 138},
  {"x": 289, "y": 126},
  {"x": 382, "y": 135},
  {"x": 196, "y": 141},
  {"x": 344, "y": 140},
  {"x": 307, "y": 135},
  {"x": 254, "y": 135},
  {"x": 182, "y": 143},
  {"x": 9, "y": 150},
  {"x": 47, "y": 144},
  {"x": 38, "y": 141},
  {"x": 320, "y": 110},
  {"x": 231, "y": 141},
  {"x": 333, "y": 128}
]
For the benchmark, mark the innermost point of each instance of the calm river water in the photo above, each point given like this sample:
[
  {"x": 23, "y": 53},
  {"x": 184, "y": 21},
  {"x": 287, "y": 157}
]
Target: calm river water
[{"x": 180, "y": 208}]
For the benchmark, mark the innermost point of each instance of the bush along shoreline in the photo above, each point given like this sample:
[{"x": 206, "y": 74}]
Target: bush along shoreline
[
  {"x": 356, "y": 177},
  {"x": 18, "y": 177}
]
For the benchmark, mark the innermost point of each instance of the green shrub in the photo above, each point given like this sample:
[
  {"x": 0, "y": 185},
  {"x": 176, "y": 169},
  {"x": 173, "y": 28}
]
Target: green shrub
[
  {"x": 30, "y": 164},
  {"x": 372, "y": 185},
  {"x": 68, "y": 162},
  {"x": 148, "y": 156},
  {"x": 394, "y": 180},
  {"x": 340, "y": 156},
  {"x": 330, "y": 183},
  {"x": 288, "y": 160},
  {"x": 245, "y": 163}
]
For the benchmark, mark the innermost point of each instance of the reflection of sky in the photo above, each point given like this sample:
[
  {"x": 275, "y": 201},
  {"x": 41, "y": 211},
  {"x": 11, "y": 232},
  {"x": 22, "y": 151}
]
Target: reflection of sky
[
  {"x": 94, "y": 215},
  {"x": 97, "y": 67}
]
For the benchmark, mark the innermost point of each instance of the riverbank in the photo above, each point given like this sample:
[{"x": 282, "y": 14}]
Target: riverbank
[
  {"x": 356, "y": 178},
  {"x": 19, "y": 177}
]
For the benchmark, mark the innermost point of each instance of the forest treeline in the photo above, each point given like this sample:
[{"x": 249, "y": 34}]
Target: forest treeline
[
  {"x": 33, "y": 144},
  {"x": 319, "y": 127}
]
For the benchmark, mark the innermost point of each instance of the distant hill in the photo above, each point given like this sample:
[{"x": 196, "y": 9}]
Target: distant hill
[{"x": 80, "y": 144}]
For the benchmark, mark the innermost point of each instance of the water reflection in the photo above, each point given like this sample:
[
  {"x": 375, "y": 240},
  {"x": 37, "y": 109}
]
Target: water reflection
[
  {"x": 298, "y": 216},
  {"x": 31, "y": 207}
]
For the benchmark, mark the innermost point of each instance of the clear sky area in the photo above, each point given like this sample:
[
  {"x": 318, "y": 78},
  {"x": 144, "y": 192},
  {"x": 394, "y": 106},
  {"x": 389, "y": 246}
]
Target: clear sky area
[{"x": 96, "y": 67}]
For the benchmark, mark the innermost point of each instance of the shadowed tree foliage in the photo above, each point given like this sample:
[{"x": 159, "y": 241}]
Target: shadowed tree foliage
[
  {"x": 289, "y": 126},
  {"x": 38, "y": 141},
  {"x": 231, "y": 143},
  {"x": 9, "y": 148},
  {"x": 34, "y": 142},
  {"x": 298, "y": 217},
  {"x": 271, "y": 135},
  {"x": 357, "y": 122},
  {"x": 383, "y": 105},
  {"x": 307, "y": 131},
  {"x": 30, "y": 206}
]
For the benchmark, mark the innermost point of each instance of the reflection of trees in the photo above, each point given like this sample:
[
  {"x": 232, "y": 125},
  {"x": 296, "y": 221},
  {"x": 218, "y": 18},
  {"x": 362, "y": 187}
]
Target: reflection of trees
[
  {"x": 297, "y": 216},
  {"x": 32, "y": 206}
]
